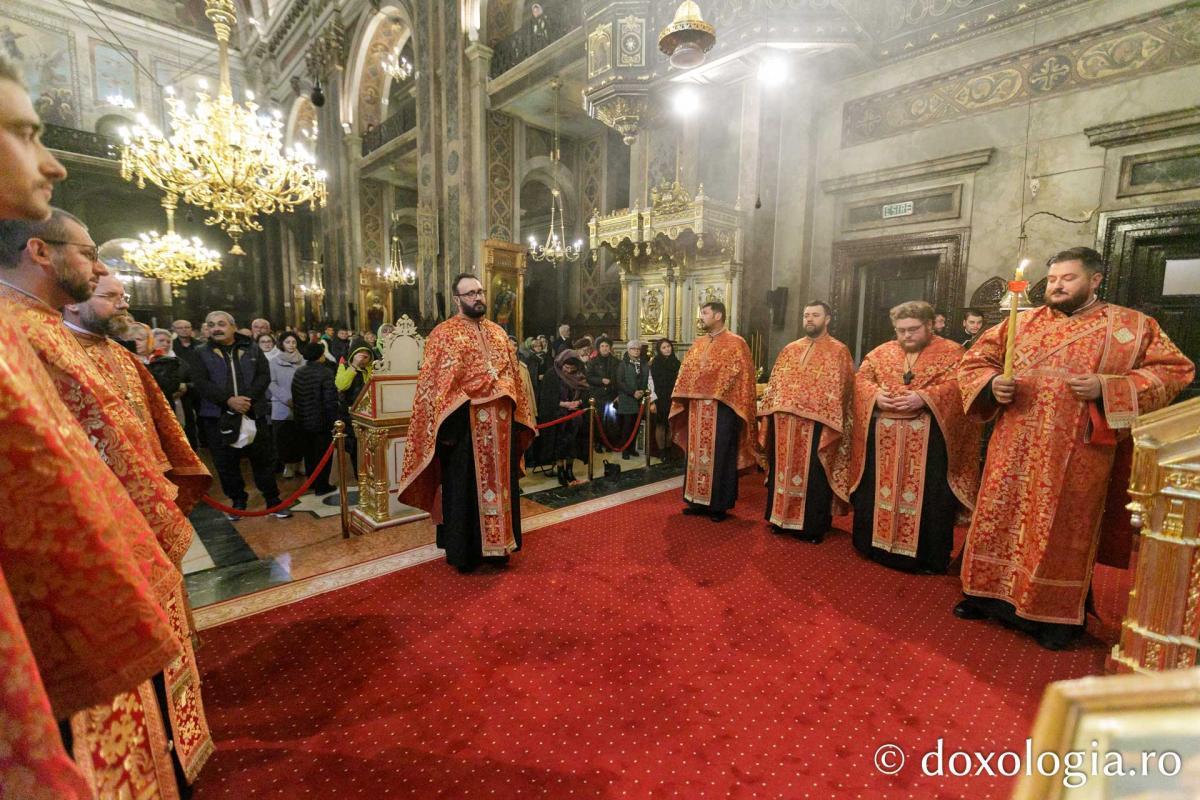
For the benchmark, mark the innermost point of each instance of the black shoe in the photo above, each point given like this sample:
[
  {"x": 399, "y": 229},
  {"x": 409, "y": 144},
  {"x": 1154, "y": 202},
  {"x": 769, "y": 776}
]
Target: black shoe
[
  {"x": 632, "y": 453},
  {"x": 778, "y": 531},
  {"x": 1056, "y": 637},
  {"x": 969, "y": 608},
  {"x": 695, "y": 511},
  {"x": 571, "y": 474},
  {"x": 718, "y": 516},
  {"x": 562, "y": 476},
  {"x": 465, "y": 569},
  {"x": 625, "y": 456},
  {"x": 500, "y": 561},
  {"x": 811, "y": 538}
]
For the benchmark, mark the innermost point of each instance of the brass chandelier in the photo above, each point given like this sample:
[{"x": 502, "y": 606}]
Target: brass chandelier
[
  {"x": 555, "y": 249},
  {"x": 223, "y": 156},
  {"x": 170, "y": 257},
  {"x": 396, "y": 273}
]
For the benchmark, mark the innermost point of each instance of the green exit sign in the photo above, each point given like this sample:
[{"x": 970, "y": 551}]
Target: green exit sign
[{"x": 904, "y": 209}]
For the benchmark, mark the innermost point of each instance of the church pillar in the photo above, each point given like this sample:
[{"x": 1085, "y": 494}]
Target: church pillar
[
  {"x": 475, "y": 222},
  {"x": 429, "y": 171}
]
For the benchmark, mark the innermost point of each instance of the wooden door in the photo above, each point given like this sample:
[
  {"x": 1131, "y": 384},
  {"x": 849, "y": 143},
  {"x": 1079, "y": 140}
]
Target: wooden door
[
  {"x": 887, "y": 283},
  {"x": 1154, "y": 266}
]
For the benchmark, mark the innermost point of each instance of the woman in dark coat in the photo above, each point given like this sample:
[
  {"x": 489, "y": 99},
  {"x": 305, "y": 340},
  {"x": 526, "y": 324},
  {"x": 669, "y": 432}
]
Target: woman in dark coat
[
  {"x": 633, "y": 378},
  {"x": 562, "y": 392},
  {"x": 664, "y": 369}
]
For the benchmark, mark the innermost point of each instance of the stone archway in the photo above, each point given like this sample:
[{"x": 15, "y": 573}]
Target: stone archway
[{"x": 390, "y": 28}]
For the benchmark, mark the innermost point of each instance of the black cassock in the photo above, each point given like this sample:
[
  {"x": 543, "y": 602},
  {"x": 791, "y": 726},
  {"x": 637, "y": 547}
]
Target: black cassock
[
  {"x": 818, "y": 501},
  {"x": 938, "y": 509},
  {"x": 459, "y": 533},
  {"x": 725, "y": 456}
]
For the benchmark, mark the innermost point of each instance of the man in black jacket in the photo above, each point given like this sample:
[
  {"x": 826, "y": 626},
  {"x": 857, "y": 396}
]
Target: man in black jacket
[
  {"x": 315, "y": 408},
  {"x": 227, "y": 398},
  {"x": 602, "y": 378}
]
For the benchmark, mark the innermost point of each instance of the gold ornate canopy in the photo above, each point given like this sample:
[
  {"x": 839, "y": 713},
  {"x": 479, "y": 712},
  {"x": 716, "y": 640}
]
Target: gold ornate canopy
[{"x": 680, "y": 252}]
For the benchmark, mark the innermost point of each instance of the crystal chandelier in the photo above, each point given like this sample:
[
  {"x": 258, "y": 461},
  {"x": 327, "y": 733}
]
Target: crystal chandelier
[
  {"x": 555, "y": 249},
  {"x": 396, "y": 273},
  {"x": 170, "y": 257},
  {"x": 223, "y": 156},
  {"x": 315, "y": 287},
  {"x": 397, "y": 66}
]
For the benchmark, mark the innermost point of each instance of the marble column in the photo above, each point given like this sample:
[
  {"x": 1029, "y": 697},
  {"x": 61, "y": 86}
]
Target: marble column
[{"x": 475, "y": 177}]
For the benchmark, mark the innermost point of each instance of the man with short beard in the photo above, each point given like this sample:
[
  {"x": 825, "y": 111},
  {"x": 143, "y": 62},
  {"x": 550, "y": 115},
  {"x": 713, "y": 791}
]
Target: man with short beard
[
  {"x": 121, "y": 411},
  {"x": 914, "y": 455},
  {"x": 1083, "y": 370},
  {"x": 713, "y": 416},
  {"x": 803, "y": 418},
  {"x": 471, "y": 423}
]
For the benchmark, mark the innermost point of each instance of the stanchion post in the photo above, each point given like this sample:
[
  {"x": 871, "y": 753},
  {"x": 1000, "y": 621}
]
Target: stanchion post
[
  {"x": 339, "y": 439},
  {"x": 591, "y": 436},
  {"x": 646, "y": 428}
]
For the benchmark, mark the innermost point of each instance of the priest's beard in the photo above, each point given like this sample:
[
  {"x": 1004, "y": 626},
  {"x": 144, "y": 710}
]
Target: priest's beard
[
  {"x": 78, "y": 287},
  {"x": 474, "y": 310},
  {"x": 117, "y": 325},
  {"x": 812, "y": 330},
  {"x": 1069, "y": 303}
]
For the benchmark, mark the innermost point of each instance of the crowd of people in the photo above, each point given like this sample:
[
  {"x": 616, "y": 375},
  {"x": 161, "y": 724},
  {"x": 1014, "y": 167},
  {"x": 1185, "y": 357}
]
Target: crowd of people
[
  {"x": 568, "y": 375},
  {"x": 289, "y": 388}
]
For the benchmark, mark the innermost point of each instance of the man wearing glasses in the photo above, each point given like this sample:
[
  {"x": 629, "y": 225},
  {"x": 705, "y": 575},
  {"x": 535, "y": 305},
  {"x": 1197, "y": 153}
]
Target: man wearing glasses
[
  {"x": 914, "y": 454},
  {"x": 471, "y": 423},
  {"x": 46, "y": 266}
]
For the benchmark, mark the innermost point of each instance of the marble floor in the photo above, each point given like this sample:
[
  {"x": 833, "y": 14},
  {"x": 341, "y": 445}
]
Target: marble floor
[{"x": 232, "y": 559}]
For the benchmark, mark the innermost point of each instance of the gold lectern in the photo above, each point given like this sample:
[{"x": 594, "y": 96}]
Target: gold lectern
[{"x": 380, "y": 417}]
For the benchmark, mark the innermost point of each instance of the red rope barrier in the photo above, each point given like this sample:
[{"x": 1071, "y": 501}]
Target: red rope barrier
[
  {"x": 287, "y": 501},
  {"x": 632, "y": 436},
  {"x": 561, "y": 420}
]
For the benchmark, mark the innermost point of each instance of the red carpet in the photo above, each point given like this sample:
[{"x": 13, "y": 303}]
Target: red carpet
[{"x": 631, "y": 653}]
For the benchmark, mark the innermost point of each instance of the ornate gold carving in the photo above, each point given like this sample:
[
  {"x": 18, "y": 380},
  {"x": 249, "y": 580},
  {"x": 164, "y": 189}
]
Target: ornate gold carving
[
  {"x": 670, "y": 198},
  {"x": 623, "y": 113},
  {"x": 599, "y": 50},
  {"x": 1132, "y": 49},
  {"x": 631, "y": 51},
  {"x": 653, "y": 308}
]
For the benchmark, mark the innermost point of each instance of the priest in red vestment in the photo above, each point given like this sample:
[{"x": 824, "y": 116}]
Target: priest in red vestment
[
  {"x": 1083, "y": 370},
  {"x": 48, "y": 263},
  {"x": 713, "y": 416},
  {"x": 803, "y": 419},
  {"x": 914, "y": 456},
  {"x": 470, "y": 426}
]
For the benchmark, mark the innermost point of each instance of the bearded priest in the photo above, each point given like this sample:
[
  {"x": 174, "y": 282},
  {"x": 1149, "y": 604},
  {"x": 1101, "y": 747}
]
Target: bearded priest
[
  {"x": 471, "y": 424},
  {"x": 914, "y": 454},
  {"x": 803, "y": 419},
  {"x": 713, "y": 416},
  {"x": 1083, "y": 370}
]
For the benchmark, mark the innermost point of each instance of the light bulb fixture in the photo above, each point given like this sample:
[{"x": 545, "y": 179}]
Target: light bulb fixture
[
  {"x": 688, "y": 38},
  {"x": 686, "y": 101},
  {"x": 170, "y": 257},
  {"x": 396, "y": 273},
  {"x": 397, "y": 66},
  {"x": 772, "y": 71},
  {"x": 223, "y": 156},
  {"x": 555, "y": 249}
]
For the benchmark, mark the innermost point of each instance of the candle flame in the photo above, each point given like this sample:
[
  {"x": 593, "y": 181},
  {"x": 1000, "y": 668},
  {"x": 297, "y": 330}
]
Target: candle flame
[{"x": 1021, "y": 269}]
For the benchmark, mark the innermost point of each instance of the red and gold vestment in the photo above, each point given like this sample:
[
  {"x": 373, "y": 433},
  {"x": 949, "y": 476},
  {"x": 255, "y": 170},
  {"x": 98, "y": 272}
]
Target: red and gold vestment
[
  {"x": 469, "y": 362},
  {"x": 1035, "y": 532}
]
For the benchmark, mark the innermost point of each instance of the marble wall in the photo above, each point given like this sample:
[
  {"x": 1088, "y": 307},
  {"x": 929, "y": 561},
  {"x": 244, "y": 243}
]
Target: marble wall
[{"x": 1023, "y": 151}]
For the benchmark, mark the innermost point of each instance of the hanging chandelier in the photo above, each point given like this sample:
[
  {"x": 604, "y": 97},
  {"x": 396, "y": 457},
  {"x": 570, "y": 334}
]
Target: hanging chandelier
[
  {"x": 397, "y": 66},
  {"x": 555, "y": 249},
  {"x": 315, "y": 286},
  {"x": 170, "y": 257},
  {"x": 222, "y": 156},
  {"x": 396, "y": 273}
]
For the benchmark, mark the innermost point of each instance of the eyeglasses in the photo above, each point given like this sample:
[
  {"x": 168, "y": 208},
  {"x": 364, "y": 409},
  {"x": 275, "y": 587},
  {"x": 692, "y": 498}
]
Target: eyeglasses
[
  {"x": 113, "y": 297},
  {"x": 476, "y": 293},
  {"x": 88, "y": 251}
]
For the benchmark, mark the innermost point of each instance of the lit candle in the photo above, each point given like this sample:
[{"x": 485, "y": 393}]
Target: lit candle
[{"x": 1015, "y": 287}]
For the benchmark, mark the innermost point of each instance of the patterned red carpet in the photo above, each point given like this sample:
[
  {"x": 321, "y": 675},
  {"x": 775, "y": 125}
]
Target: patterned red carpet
[{"x": 630, "y": 653}]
